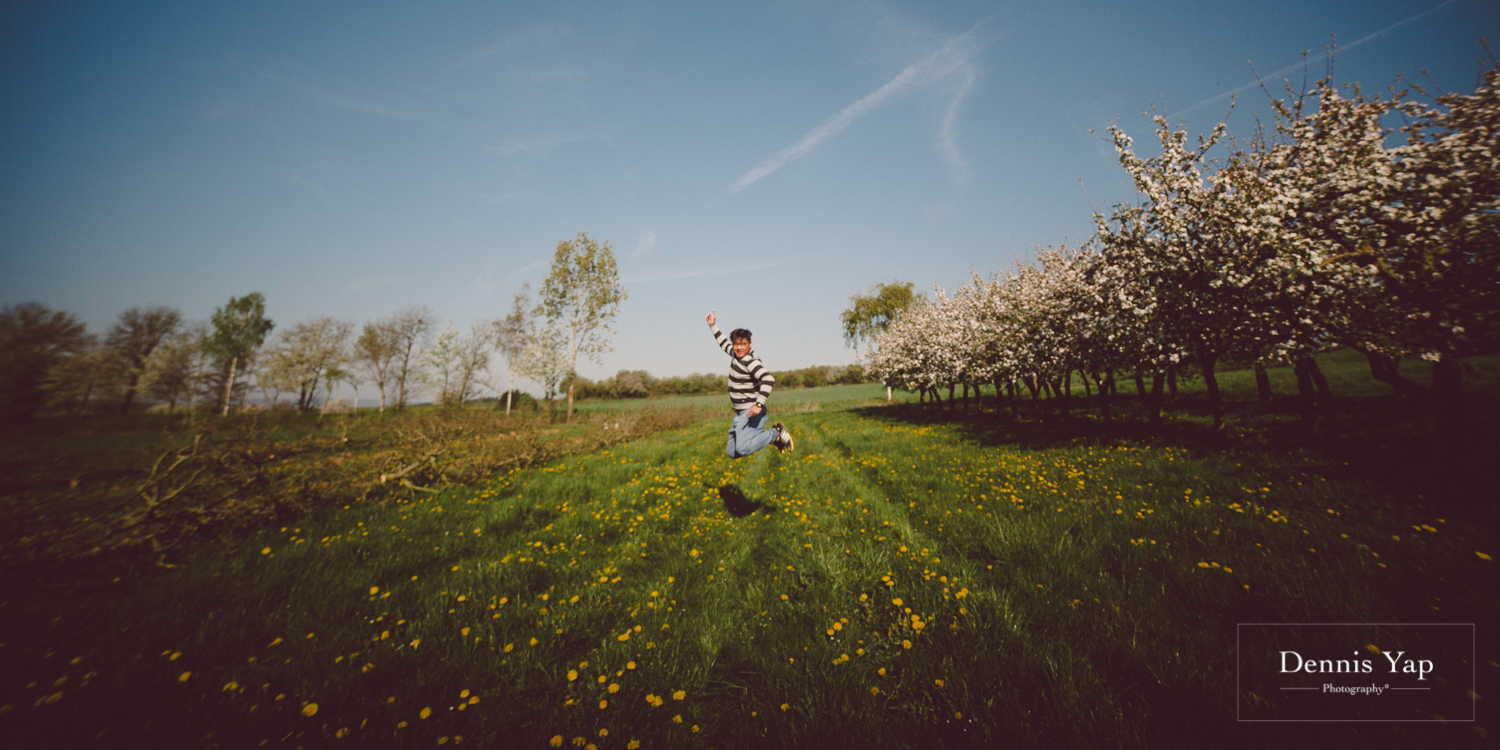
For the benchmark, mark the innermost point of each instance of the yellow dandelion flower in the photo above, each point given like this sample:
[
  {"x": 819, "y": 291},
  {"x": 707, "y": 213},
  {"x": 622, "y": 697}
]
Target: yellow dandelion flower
[
  {"x": 509, "y": 646},
  {"x": 677, "y": 719},
  {"x": 874, "y": 691},
  {"x": 556, "y": 740},
  {"x": 906, "y": 644},
  {"x": 603, "y": 705},
  {"x": 897, "y": 602},
  {"x": 572, "y": 673},
  {"x": 310, "y": 709},
  {"x": 266, "y": 551},
  {"x": 630, "y": 665},
  {"x": 465, "y": 631},
  {"x": 534, "y": 641},
  {"x": 785, "y": 706},
  {"x": 374, "y": 590},
  {"x": 463, "y": 694},
  {"x": 1482, "y": 556},
  {"x": 614, "y": 687},
  {"x": 632, "y": 745},
  {"x": 426, "y": 712},
  {"x": 603, "y": 732},
  {"x": 679, "y": 695},
  {"x": 184, "y": 676}
]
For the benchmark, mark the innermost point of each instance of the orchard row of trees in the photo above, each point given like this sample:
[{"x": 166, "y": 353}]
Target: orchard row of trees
[
  {"x": 49, "y": 360},
  {"x": 1314, "y": 236}
]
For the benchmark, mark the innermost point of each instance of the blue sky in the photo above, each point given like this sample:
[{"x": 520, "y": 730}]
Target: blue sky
[{"x": 765, "y": 160}]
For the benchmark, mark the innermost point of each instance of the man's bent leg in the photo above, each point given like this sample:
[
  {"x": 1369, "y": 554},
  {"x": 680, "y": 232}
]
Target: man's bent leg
[{"x": 749, "y": 434}]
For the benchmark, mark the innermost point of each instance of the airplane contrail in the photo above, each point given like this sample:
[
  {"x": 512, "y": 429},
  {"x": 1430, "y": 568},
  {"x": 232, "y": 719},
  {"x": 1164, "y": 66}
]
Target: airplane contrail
[
  {"x": 1295, "y": 66},
  {"x": 950, "y": 57}
]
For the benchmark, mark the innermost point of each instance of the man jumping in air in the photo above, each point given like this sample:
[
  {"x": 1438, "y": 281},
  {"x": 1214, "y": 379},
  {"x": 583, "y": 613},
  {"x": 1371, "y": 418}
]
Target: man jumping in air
[{"x": 749, "y": 386}]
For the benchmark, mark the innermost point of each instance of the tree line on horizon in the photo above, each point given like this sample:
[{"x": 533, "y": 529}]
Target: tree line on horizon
[{"x": 50, "y": 363}]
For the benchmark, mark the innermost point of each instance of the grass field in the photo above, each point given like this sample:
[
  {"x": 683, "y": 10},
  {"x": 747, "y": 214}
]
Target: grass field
[{"x": 908, "y": 577}]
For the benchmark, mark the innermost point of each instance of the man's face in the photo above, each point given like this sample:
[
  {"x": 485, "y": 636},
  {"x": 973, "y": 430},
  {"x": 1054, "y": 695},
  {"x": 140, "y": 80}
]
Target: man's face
[{"x": 741, "y": 347}]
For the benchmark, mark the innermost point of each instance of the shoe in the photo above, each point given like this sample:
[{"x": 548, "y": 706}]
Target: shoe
[{"x": 783, "y": 441}]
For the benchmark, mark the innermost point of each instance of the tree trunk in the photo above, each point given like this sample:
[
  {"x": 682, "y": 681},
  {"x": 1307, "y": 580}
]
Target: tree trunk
[
  {"x": 1306, "y": 395},
  {"x": 1105, "y": 384},
  {"x": 1206, "y": 363},
  {"x": 129, "y": 394},
  {"x": 570, "y": 397},
  {"x": 1172, "y": 380},
  {"x": 1388, "y": 370},
  {"x": 1262, "y": 382},
  {"x": 229, "y": 384},
  {"x": 1084, "y": 376},
  {"x": 1030, "y": 382},
  {"x": 1153, "y": 405},
  {"x": 1140, "y": 385},
  {"x": 1325, "y": 394}
]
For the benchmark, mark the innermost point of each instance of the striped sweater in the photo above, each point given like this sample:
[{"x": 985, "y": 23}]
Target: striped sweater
[{"x": 749, "y": 380}]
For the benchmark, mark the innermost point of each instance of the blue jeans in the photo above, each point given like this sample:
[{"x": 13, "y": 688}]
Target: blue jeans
[{"x": 748, "y": 434}]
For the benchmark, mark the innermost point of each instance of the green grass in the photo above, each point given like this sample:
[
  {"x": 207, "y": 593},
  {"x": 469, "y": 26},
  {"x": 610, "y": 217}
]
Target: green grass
[{"x": 909, "y": 577}]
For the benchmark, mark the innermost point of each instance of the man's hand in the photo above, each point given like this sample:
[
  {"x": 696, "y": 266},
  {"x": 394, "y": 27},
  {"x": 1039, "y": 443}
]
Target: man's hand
[
  {"x": 754, "y": 410},
  {"x": 711, "y": 319}
]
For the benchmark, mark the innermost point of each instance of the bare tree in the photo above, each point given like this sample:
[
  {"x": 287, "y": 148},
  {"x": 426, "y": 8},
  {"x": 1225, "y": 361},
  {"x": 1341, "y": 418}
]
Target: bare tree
[
  {"x": 133, "y": 339},
  {"x": 511, "y": 335},
  {"x": 410, "y": 329}
]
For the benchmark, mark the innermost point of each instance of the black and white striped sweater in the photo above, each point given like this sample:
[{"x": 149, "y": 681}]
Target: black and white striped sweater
[{"x": 749, "y": 380}]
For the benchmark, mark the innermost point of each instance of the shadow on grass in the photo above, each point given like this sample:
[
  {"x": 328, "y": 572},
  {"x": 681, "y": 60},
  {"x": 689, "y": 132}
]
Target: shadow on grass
[
  {"x": 739, "y": 505},
  {"x": 1381, "y": 439}
]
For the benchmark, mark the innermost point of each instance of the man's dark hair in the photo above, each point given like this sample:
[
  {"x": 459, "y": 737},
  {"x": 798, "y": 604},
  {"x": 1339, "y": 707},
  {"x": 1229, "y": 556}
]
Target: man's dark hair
[{"x": 740, "y": 333}]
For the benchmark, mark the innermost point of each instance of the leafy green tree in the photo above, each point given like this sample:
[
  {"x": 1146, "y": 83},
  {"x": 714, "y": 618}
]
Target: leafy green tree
[
  {"x": 240, "y": 327},
  {"x": 869, "y": 314},
  {"x": 874, "y": 311},
  {"x": 582, "y": 296}
]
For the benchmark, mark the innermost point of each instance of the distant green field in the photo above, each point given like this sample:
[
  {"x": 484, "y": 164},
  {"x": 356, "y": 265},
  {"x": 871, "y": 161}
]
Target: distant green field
[
  {"x": 785, "y": 399},
  {"x": 909, "y": 577}
]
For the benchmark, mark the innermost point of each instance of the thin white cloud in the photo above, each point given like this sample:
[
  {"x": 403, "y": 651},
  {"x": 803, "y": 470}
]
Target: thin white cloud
[
  {"x": 954, "y": 57},
  {"x": 1310, "y": 61},
  {"x": 648, "y": 241},
  {"x": 541, "y": 146},
  {"x": 529, "y": 37}
]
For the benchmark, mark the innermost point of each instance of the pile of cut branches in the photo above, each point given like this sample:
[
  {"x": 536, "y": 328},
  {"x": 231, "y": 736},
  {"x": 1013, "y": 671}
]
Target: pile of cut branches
[{"x": 242, "y": 473}]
